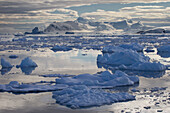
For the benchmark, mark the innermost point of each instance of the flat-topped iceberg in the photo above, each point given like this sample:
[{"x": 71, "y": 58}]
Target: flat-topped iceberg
[
  {"x": 16, "y": 87},
  {"x": 61, "y": 48},
  {"x": 126, "y": 57},
  {"x": 27, "y": 62},
  {"x": 82, "y": 96},
  {"x": 103, "y": 80},
  {"x": 5, "y": 64},
  {"x": 164, "y": 48}
]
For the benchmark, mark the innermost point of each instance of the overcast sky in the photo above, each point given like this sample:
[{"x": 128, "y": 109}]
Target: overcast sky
[{"x": 23, "y": 15}]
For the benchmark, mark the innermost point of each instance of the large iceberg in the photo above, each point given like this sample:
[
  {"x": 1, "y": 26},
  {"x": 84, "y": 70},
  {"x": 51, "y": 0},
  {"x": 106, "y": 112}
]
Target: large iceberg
[
  {"x": 82, "y": 96},
  {"x": 126, "y": 57},
  {"x": 103, "y": 80},
  {"x": 27, "y": 62},
  {"x": 112, "y": 49},
  {"x": 16, "y": 87},
  {"x": 5, "y": 64}
]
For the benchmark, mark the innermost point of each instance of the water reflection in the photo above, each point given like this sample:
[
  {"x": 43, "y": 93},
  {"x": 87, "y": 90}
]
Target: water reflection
[
  {"x": 147, "y": 74},
  {"x": 27, "y": 70},
  {"x": 5, "y": 70},
  {"x": 164, "y": 54}
]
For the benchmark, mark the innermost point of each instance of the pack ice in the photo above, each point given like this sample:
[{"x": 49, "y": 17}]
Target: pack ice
[
  {"x": 82, "y": 96},
  {"x": 129, "y": 59}
]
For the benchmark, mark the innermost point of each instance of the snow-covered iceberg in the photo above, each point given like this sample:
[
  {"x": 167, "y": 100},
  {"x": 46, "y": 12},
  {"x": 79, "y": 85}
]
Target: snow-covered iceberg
[
  {"x": 61, "y": 48},
  {"x": 27, "y": 62},
  {"x": 82, "y": 96},
  {"x": 126, "y": 57},
  {"x": 16, "y": 87},
  {"x": 5, "y": 64},
  {"x": 103, "y": 80}
]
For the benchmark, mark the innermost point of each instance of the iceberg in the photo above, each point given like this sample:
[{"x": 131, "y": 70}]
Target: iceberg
[
  {"x": 82, "y": 96},
  {"x": 126, "y": 57},
  {"x": 16, "y": 87},
  {"x": 5, "y": 64},
  {"x": 112, "y": 49},
  {"x": 103, "y": 80},
  {"x": 27, "y": 62}
]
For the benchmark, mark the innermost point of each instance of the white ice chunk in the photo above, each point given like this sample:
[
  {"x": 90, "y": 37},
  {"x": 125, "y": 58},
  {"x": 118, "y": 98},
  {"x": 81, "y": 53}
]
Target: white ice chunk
[
  {"x": 126, "y": 57},
  {"x": 5, "y": 64},
  {"x": 80, "y": 96}
]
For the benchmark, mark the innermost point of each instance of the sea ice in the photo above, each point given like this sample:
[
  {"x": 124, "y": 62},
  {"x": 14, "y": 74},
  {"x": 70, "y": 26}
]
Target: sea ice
[
  {"x": 27, "y": 62},
  {"x": 16, "y": 87},
  {"x": 80, "y": 96},
  {"x": 103, "y": 80},
  {"x": 5, "y": 64}
]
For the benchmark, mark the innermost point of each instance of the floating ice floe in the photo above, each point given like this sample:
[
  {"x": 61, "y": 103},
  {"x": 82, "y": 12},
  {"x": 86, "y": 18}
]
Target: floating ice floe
[
  {"x": 103, "y": 80},
  {"x": 61, "y": 48},
  {"x": 5, "y": 64},
  {"x": 133, "y": 46},
  {"x": 27, "y": 62},
  {"x": 81, "y": 96},
  {"x": 126, "y": 57},
  {"x": 164, "y": 48},
  {"x": 16, "y": 87}
]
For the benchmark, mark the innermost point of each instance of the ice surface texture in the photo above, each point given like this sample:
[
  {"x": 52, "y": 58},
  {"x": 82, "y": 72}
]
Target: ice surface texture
[{"x": 82, "y": 96}]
